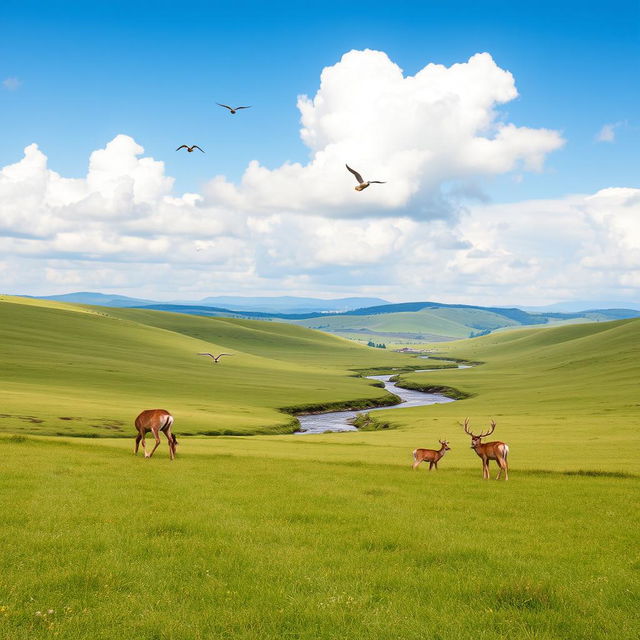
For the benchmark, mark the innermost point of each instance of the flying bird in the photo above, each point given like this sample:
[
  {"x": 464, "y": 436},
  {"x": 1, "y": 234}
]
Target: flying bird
[
  {"x": 361, "y": 183},
  {"x": 189, "y": 149},
  {"x": 215, "y": 358},
  {"x": 232, "y": 109}
]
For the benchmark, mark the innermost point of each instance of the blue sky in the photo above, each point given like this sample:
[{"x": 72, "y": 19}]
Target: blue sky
[
  {"x": 154, "y": 70},
  {"x": 555, "y": 216}
]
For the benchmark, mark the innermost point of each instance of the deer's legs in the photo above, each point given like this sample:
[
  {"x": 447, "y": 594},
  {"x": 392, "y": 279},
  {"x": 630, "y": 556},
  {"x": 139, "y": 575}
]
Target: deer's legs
[
  {"x": 138, "y": 438},
  {"x": 430, "y": 466},
  {"x": 485, "y": 470},
  {"x": 504, "y": 467},
  {"x": 172, "y": 448},
  {"x": 416, "y": 464},
  {"x": 157, "y": 437}
]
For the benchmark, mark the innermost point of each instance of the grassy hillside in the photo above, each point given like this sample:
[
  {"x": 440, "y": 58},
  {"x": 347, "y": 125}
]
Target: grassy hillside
[
  {"x": 428, "y": 322},
  {"x": 562, "y": 396},
  {"x": 90, "y": 370},
  {"x": 442, "y": 321},
  {"x": 565, "y": 399}
]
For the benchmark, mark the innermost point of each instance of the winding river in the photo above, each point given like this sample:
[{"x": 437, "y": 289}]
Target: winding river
[{"x": 340, "y": 420}]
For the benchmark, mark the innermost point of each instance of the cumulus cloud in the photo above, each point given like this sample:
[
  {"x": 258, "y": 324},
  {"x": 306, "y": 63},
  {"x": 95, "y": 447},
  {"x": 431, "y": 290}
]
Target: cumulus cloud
[
  {"x": 121, "y": 228},
  {"x": 420, "y": 133}
]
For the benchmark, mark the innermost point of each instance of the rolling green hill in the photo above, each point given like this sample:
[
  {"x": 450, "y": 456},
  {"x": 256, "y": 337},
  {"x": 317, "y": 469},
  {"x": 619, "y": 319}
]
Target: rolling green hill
[
  {"x": 69, "y": 369},
  {"x": 423, "y": 322},
  {"x": 565, "y": 396},
  {"x": 443, "y": 322}
]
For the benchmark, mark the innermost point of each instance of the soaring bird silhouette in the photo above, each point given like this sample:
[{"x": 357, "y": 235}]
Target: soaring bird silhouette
[
  {"x": 361, "y": 183},
  {"x": 232, "y": 109},
  {"x": 215, "y": 358},
  {"x": 189, "y": 149}
]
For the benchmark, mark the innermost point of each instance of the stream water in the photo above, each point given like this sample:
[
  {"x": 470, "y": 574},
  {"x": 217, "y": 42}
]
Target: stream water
[{"x": 340, "y": 420}]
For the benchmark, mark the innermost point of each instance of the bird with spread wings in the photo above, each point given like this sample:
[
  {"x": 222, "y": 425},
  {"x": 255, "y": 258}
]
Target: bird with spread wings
[
  {"x": 189, "y": 148},
  {"x": 215, "y": 358},
  {"x": 232, "y": 110},
  {"x": 361, "y": 183}
]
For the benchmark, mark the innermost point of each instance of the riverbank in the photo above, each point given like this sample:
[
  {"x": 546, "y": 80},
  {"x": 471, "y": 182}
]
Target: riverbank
[{"x": 352, "y": 420}]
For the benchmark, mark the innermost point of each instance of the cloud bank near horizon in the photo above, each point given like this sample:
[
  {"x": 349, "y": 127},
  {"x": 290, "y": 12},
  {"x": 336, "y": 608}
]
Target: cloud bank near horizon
[{"x": 302, "y": 229}]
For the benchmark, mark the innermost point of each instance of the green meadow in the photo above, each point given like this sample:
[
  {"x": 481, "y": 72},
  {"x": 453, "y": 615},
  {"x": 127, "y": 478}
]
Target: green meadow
[
  {"x": 81, "y": 370},
  {"x": 328, "y": 536}
]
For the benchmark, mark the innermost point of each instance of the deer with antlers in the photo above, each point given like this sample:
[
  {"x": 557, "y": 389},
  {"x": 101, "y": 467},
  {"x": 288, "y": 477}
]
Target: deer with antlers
[
  {"x": 432, "y": 455},
  {"x": 155, "y": 420},
  {"x": 497, "y": 450}
]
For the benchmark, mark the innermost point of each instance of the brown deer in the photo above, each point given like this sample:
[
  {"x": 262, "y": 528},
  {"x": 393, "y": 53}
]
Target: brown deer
[
  {"x": 433, "y": 456},
  {"x": 155, "y": 420},
  {"x": 497, "y": 451}
]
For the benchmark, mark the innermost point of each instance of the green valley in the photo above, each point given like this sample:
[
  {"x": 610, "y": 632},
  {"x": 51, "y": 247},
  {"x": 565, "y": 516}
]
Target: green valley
[{"x": 312, "y": 537}]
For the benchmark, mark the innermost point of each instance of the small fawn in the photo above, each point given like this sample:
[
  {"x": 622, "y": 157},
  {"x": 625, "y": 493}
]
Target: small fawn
[{"x": 420, "y": 455}]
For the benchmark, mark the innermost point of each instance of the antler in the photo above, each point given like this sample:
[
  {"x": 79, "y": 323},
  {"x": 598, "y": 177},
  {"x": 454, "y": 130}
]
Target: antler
[
  {"x": 491, "y": 430},
  {"x": 465, "y": 426},
  {"x": 481, "y": 435}
]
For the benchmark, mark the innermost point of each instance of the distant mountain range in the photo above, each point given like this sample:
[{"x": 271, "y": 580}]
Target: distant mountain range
[
  {"x": 290, "y": 304},
  {"x": 263, "y": 304},
  {"x": 366, "y": 318}
]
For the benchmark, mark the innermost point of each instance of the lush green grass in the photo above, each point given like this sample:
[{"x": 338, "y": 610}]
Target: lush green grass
[
  {"x": 329, "y": 536},
  {"x": 225, "y": 546},
  {"x": 563, "y": 398},
  {"x": 90, "y": 370}
]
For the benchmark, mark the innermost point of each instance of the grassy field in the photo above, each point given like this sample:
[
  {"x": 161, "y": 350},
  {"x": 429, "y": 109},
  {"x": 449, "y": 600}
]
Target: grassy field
[
  {"x": 216, "y": 545},
  {"x": 69, "y": 369},
  {"x": 564, "y": 398},
  {"x": 329, "y": 536}
]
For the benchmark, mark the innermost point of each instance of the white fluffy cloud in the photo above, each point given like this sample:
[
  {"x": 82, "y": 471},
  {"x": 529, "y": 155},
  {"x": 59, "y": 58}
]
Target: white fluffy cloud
[
  {"x": 419, "y": 133},
  {"x": 304, "y": 230},
  {"x": 121, "y": 229}
]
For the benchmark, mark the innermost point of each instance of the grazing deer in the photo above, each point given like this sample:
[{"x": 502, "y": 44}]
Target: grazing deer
[
  {"x": 497, "y": 451},
  {"x": 433, "y": 456},
  {"x": 155, "y": 420}
]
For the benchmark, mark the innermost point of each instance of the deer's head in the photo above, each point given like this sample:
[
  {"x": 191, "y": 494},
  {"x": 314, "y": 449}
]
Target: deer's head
[{"x": 475, "y": 439}]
